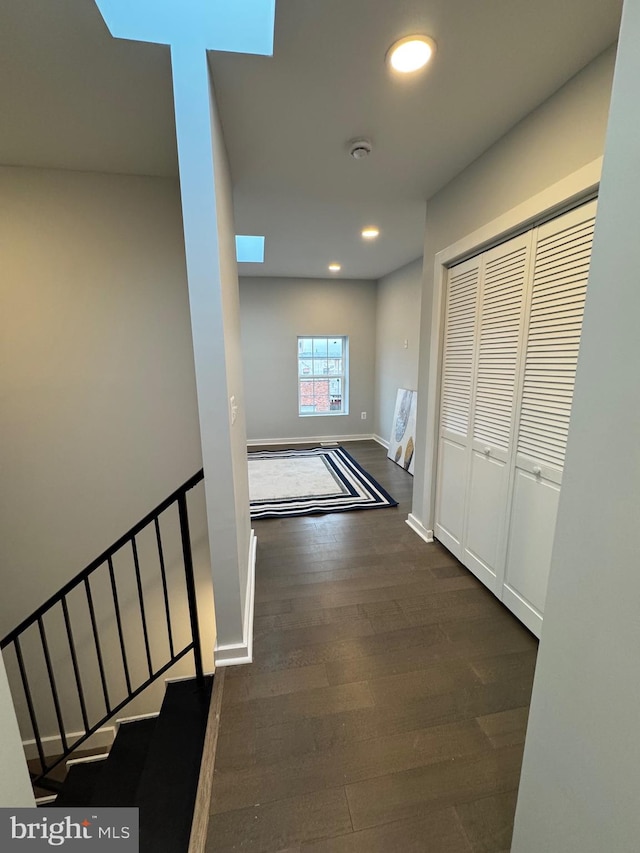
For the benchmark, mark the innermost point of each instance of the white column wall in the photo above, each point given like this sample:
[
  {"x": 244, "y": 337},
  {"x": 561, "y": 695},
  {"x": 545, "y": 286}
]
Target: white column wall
[
  {"x": 213, "y": 297},
  {"x": 579, "y": 785},
  {"x": 15, "y": 785}
]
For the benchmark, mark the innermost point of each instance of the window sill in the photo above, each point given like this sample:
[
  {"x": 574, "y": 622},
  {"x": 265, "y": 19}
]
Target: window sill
[{"x": 322, "y": 414}]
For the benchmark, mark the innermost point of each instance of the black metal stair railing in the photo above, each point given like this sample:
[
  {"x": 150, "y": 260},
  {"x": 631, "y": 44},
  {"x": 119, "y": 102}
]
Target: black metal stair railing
[{"x": 59, "y": 608}]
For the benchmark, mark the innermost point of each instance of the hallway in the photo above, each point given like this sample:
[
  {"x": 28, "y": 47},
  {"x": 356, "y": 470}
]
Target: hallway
[{"x": 386, "y": 706}]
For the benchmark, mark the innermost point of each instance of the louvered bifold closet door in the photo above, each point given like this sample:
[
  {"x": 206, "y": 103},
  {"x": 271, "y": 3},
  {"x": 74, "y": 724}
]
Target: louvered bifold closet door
[
  {"x": 561, "y": 269},
  {"x": 454, "y": 440},
  {"x": 496, "y": 386}
]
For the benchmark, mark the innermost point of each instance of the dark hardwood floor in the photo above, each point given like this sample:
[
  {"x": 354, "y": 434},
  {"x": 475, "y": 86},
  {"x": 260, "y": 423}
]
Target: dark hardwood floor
[{"x": 386, "y": 707}]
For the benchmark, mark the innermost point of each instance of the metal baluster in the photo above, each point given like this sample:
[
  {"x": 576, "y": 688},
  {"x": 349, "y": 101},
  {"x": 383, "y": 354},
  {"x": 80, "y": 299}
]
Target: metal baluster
[
  {"x": 116, "y": 604},
  {"x": 52, "y": 682},
  {"x": 164, "y": 585},
  {"x": 94, "y": 627},
  {"x": 143, "y": 616},
  {"x": 74, "y": 661}
]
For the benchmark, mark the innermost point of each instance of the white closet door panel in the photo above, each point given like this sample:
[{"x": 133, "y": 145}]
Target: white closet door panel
[
  {"x": 458, "y": 352},
  {"x": 486, "y": 511},
  {"x": 452, "y": 473},
  {"x": 458, "y": 361},
  {"x": 511, "y": 344},
  {"x": 533, "y": 523},
  {"x": 561, "y": 269},
  {"x": 499, "y": 344},
  {"x": 500, "y": 326}
]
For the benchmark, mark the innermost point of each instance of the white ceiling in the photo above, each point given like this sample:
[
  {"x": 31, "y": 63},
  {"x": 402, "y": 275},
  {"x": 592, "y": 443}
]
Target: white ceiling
[{"x": 72, "y": 97}]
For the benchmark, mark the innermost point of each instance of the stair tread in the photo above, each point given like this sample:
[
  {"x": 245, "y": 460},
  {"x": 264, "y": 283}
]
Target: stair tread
[
  {"x": 121, "y": 772},
  {"x": 168, "y": 785},
  {"x": 154, "y": 764},
  {"x": 79, "y": 784}
]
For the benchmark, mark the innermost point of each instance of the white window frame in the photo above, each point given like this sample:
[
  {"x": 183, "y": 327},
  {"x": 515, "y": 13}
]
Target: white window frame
[{"x": 343, "y": 375}]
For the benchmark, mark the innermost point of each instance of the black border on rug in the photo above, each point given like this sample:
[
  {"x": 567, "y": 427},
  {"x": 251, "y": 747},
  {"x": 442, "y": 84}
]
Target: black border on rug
[{"x": 375, "y": 497}]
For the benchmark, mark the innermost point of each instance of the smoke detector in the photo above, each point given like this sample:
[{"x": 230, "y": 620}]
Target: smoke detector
[{"x": 360, "y": 148}]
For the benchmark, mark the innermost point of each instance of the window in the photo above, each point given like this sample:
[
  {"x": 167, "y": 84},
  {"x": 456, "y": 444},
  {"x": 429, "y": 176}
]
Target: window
[{"x": 322, "y": 376}]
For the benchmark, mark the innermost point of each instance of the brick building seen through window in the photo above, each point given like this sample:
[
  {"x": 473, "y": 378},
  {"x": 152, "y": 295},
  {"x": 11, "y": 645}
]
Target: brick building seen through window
[{"x": 322, "y": 375}]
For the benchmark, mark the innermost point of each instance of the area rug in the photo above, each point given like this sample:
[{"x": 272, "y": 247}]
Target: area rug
[{"x": 303, "y": 482}]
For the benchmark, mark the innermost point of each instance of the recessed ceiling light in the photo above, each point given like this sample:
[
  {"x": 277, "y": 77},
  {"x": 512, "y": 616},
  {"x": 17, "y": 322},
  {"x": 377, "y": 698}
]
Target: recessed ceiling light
[
  {"x": 370, "y": 233},
  {"x": 410, "y": 53},
  {"x": 335, "y": 267}
]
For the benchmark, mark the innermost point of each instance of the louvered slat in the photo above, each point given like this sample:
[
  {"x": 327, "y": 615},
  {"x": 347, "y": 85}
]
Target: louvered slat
[
  {"x": 499, "y": 332},
  {"x": 557, "y": 306},
  {"x": 460, "y": 328}
]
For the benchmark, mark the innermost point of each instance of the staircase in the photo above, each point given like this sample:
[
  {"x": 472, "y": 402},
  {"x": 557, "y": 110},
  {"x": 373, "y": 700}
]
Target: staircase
[
  {"x": 162, "y": 764},
  {"x": 155, "y": 764}
]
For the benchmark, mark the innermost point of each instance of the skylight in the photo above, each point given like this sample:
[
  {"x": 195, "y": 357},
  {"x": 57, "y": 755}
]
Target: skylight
[{"x": 249, "y": 250}]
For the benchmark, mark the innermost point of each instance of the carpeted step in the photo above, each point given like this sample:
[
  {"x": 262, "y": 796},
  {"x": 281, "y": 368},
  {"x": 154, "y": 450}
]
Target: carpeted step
[
  {"x": 117, "y": 784},
  {"x": 168, "y": 785},
  {"x": 79, "y": 785}
]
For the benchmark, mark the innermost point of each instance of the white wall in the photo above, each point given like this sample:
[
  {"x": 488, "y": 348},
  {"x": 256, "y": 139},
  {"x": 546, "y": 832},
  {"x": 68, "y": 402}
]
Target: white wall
[
  {"x": 274, "y": 312},
  {"x": 579, "y": 787},
  {"x": 397, "y": 321},
  {"x": 15, "y": 786},
  {"x": 563, "y": 134},
  {"x": 98, "y": 409}
]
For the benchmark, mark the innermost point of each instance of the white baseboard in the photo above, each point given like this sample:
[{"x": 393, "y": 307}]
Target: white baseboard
[
  {"x": 237, "y": 653},
  {"x": 419, "y": 528},
  {"x": 102, "y": 739},
  {"x": 309, "y": 439},
  {"x": 381, "y": 441}
]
